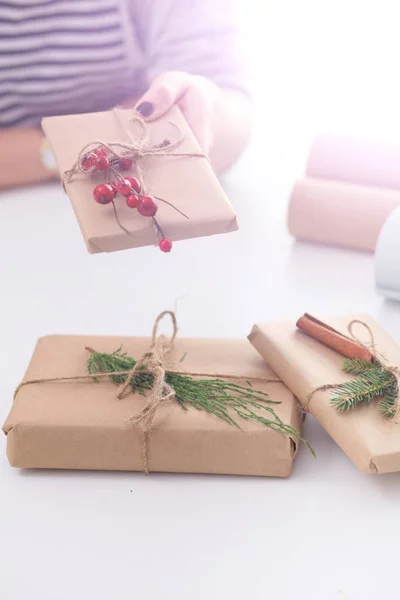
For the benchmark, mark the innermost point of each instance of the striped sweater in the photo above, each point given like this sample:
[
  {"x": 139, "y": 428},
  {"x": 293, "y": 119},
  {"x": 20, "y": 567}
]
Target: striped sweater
[{"x": 66, "y": 56}]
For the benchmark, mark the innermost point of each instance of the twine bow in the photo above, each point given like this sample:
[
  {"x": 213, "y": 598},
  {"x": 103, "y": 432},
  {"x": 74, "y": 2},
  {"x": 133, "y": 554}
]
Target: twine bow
[
  {"x": 376, "y": 357},
  {"x": 161, "y": 393},
  {"x": 139, "y": 146}
]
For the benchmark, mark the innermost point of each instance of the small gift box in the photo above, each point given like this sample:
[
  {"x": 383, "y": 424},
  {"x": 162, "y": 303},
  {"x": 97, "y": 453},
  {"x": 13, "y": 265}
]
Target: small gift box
[
  {"x": 133, "y": 183},
  {"x": 194, "y": 406},
  {"x": 345, "y": 373}
]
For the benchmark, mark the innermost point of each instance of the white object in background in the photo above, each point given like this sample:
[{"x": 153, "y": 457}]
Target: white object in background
[{"x": 387, "y": 258}]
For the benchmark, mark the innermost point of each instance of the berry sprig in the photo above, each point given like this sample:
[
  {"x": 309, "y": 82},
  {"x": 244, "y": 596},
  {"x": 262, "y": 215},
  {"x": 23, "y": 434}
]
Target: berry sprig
[
  {"x": 97, "y": 160},
  {"x": 128, "y": 187}
]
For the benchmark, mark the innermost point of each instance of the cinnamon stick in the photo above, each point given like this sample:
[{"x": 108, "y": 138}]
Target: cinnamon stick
[{"x": 333, "y": 339}]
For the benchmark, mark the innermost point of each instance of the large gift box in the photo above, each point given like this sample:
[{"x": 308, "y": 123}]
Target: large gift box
[
  {"x": 81, "y": 424},
  {"x": 169, "y": 165},
  {"x": 348, "y": 381}
]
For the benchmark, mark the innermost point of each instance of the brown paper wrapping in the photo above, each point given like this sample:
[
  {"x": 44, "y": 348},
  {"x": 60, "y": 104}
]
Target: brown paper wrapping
[
  {"x": 77, "y": 425},
  {"x": 189, "y": 183},
  {"x": 370, "y": 440}
]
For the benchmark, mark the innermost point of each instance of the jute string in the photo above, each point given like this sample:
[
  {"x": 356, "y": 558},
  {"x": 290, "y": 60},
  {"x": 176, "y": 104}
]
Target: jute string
[
  {"x": 154, "y": 362},
  {"x": 377, "y": 357},
  {"x": 138, "y": 147}
]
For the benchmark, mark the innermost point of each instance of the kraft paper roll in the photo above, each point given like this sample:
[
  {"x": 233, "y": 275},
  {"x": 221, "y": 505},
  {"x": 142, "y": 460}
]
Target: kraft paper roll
[
  {"x": 387, "y": 258},
  {"x": 339, "y": 214},
  {"x": 355, "y": 161}
]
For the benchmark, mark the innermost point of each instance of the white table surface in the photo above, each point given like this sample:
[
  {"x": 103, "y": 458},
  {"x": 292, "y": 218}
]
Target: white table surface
[{"x": 326, "y": 533}]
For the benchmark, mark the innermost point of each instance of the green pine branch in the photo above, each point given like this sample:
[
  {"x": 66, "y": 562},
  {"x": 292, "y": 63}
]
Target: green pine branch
[
  {"x": 372, "y": 380},
  {"x": 388, "y": 405},
  {"x": 357, "y": 366},
  {"x": 226, "y": 400}
]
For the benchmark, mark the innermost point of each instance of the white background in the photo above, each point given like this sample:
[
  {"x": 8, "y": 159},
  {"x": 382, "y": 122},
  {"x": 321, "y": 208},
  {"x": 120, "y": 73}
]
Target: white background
[{"x": 328, "y": 532}]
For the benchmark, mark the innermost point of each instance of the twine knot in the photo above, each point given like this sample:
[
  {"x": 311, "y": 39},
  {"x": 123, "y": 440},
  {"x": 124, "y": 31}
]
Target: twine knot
[
  {"x": 139, "y": 146},
  {"x": 153, "y": 361},
  {"x": 379, "y": 358}
]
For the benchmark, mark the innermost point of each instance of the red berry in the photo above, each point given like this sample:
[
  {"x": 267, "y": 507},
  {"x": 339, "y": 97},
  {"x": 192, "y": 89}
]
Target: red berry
[
  {"x": 102, "y": 163},
  {"x": 103, "y": 193},
  {"x": 100, "y": 152},
  {"x": 132, "y": 201},
  {"x": 165, "y": 245},
  {"x": 124, "y": 187},
  {"x": 147, "y": 206},
  {"x": 135, "y": 184},
  {"x": 89, "y": 161},
  {"x": 125, "y": 164}
]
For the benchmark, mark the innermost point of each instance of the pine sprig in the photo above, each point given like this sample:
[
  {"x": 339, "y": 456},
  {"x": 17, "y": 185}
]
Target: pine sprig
[
  {"x": 357, "y": 366},
  {"x": 226, "y": 400},
  {"x": 372, "y": 380}
]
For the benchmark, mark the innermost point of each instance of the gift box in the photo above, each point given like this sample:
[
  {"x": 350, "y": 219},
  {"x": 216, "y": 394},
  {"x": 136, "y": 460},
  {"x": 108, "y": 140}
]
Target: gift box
[
  {"x": 59, "y": 422},
  {"x": 169, "y": 164},
  {"x": 315, "y": 372}
]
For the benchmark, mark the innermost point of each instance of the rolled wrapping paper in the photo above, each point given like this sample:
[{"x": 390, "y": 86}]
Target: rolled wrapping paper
[
  {"x": 355, "y": 161},
  {"x": 339, "y": 214},
  {"x": 387, "y": 258}
]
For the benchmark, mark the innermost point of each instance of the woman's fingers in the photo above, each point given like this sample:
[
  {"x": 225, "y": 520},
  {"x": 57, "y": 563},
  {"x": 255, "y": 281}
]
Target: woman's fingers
[
  {"x": 163, "y": 93},
  {"x": 197, "y": 110},
  {"x": 194, "y": 96}
]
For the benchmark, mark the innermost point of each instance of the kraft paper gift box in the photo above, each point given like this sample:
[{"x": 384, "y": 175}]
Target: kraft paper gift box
[
  {"x": 371, "y": 440},
  {"x": 82, "y": 425},
  {"x": 187, "y": 182}
]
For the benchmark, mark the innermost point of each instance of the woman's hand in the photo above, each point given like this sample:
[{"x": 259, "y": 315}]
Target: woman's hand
[
  {"x": 196, "y": 96},
  {"x": 21, "y": 158},
  {"x": 219, "y": 119}
]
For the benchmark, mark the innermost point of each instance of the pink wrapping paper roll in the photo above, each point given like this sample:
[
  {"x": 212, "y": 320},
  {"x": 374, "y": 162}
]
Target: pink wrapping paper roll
[
  {"x": 339, "y": 214},
  {"x": 361, "y": 162}
]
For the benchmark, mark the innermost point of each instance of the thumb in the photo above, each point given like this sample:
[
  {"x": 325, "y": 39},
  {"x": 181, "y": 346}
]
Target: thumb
[
  {"x": 198, "y": 112},
  {"x": 163, "y": 93}
]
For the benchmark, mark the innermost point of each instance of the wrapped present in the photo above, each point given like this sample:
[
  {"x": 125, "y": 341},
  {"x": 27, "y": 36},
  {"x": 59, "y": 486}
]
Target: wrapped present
[
  {"x": 345, "y": 373},
  {"x": 133, "y": 183},
  {"x": 183, "y": 405}
]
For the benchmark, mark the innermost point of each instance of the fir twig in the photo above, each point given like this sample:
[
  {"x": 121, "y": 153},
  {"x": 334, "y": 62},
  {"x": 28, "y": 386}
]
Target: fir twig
[
  {"x": 358, "y": 366},
  {"x": 224, "y": 399},
  {"x": 372, "y": 380}
]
